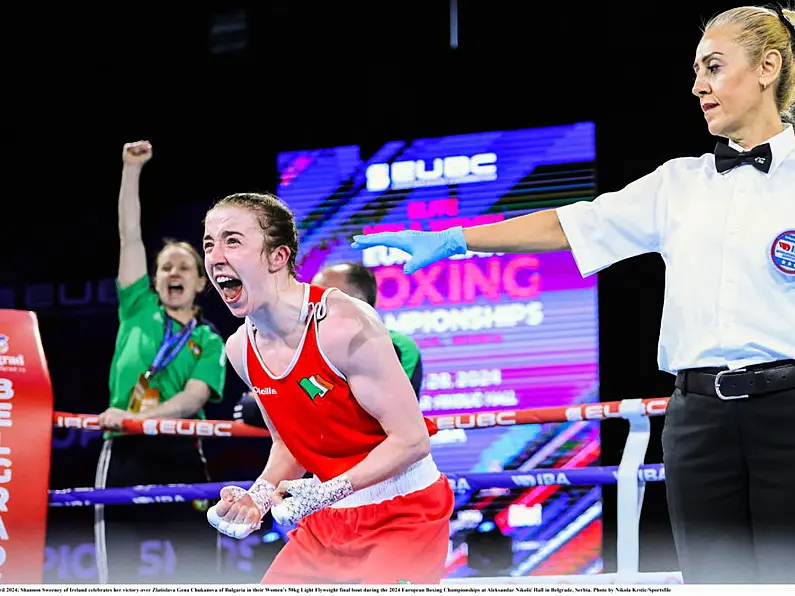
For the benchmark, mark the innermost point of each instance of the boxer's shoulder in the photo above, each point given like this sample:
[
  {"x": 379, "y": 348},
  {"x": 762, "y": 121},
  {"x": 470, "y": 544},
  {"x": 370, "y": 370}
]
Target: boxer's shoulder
[
  {"x": 348, "y": 317},
  {"x": 234, "y": 347},
  {"x": 236, "y": 341},
  {"x": 348, "y": 323}
]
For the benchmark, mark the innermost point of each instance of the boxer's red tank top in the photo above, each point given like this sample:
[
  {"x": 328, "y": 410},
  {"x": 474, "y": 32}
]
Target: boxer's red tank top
[{"x": 311, "y": 405}]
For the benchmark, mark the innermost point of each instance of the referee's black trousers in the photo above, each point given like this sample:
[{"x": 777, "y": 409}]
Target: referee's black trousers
[{"x": 730, "y": 481}]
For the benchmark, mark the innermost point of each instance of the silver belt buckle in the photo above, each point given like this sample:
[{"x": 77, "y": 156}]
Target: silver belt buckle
[{"x": 722, "y": 374}]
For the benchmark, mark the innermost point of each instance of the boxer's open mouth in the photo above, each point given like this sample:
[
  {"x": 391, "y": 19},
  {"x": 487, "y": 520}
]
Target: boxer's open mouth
[{"x": 230, "y": 286}]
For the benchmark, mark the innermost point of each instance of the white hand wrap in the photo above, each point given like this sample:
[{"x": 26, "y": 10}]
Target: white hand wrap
[
  {"x": 260, "y": 493},
  {"x": 308, "y": 496}
]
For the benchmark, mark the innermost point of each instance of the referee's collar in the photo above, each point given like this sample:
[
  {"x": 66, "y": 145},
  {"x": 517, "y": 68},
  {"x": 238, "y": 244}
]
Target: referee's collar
[{"x": 781, "y": 146}]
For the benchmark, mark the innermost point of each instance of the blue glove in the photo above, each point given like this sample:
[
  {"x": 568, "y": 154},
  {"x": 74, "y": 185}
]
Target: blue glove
[{"x": 424, "y": 247}]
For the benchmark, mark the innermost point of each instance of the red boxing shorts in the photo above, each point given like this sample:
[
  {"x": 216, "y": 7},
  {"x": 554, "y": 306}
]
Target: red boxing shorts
[{"x": 383, "y": 534}]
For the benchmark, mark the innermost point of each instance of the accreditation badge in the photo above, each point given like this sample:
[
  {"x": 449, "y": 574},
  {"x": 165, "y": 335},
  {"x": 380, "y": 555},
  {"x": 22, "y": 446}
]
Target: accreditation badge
[{"x": 143, "y": 397}]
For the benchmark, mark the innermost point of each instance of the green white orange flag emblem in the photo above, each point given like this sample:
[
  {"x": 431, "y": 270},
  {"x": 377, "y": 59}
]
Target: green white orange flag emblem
[{"x": 315, "y": 386}]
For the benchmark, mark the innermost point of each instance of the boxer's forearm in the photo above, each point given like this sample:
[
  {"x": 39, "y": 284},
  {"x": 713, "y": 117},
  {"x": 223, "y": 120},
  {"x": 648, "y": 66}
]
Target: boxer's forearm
[
  {"x": 391, "y": 457},
  {"x": 281, "y": 465}
]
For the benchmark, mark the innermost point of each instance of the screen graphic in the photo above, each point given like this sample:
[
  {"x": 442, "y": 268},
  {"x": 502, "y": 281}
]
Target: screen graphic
[{"x": 496, "y": 331}]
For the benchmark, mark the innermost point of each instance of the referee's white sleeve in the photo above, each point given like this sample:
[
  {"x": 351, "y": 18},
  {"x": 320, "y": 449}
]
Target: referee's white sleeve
[{"x": 615, "y": 225}]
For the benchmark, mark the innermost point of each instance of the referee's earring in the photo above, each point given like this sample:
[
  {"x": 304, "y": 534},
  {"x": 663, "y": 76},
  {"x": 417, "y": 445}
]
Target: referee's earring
[{"x": 764, "y": 85}]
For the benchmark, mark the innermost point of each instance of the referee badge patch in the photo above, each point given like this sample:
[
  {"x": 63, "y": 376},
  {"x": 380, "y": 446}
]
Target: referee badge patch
[{"x": 782, "y": 252}]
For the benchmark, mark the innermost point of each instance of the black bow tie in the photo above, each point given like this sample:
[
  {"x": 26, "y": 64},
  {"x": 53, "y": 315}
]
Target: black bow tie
[{"x": 727, "y": 158}]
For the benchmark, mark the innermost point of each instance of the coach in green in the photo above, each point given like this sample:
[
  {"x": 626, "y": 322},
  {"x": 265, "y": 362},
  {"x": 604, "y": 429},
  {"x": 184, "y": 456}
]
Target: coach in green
[{"x": 168, "y": 363}]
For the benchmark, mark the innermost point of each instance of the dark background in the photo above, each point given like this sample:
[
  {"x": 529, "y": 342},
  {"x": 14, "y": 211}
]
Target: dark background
[{"x": 79, "y": 82}]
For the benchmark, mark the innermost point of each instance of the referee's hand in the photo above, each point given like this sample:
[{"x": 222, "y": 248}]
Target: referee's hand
[{"x": 246, "y": 410}]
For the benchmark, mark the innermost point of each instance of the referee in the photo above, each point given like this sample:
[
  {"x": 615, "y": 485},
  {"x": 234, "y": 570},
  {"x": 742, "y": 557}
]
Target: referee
[{"x": 724, "y": 224}]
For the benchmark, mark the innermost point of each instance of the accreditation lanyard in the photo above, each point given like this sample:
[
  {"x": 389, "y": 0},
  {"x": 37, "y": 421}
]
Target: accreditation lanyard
[{"x": 172, "y": 344}]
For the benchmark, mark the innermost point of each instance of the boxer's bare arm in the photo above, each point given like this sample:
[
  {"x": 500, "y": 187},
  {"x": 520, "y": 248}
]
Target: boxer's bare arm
[
  {"x": 132, "y": 254},
  {"x": 281, "y": 464},
  {"x": 357, "y": 343}
]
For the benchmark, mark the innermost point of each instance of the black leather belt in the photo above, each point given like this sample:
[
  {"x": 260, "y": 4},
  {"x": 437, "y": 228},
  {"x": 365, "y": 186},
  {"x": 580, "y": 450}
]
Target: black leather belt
[{"x": 738, "y": 383}]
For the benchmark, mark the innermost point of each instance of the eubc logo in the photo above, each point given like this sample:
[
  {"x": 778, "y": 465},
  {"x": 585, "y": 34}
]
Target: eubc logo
[{"x": 454, "y": 169}]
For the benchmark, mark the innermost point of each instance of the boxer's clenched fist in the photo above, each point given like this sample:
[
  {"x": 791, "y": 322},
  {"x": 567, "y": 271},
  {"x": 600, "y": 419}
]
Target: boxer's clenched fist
[
  {"x": 240, "y": 512},
  {"x": 307, "y": 496}
]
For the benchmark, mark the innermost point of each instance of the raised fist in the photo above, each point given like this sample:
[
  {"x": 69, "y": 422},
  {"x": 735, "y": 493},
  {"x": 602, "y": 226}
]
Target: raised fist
[{"x": 137, "y": 153}]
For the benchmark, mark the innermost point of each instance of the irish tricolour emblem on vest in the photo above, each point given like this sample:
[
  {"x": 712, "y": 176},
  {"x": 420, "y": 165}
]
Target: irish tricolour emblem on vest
[{"x": 315, "y": 386}]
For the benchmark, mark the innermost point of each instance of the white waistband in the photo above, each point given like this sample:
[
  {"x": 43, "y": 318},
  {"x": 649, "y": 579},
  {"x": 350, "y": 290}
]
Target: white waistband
[{"x": 417, "y": 476}]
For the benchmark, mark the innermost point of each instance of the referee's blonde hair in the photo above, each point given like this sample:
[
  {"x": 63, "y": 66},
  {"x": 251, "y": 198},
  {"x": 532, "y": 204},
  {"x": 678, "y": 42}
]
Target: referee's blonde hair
[{"x": 760, "y": 31}]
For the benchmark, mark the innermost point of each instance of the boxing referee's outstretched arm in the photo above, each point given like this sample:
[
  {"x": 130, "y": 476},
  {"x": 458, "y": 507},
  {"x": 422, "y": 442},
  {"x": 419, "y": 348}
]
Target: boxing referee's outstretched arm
[
  {"x": 132, "y": 254},
  {"x": 614, "y": 226},
  {"x": 532, "y": 233}
]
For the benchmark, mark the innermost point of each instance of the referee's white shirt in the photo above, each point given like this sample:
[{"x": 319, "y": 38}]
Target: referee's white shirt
[{"x": 726, "y": 303}]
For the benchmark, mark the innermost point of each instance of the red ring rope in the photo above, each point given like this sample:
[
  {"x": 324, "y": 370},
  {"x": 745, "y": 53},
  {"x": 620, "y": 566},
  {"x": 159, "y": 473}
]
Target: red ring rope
[{"x": 228, "y": 428}]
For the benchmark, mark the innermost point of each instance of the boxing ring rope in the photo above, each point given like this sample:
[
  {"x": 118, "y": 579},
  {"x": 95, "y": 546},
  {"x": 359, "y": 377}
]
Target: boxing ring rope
[
  {"x": 179, "y": 493},
  {"x": 623, "y": 409},
  {"x": 630, "y": 475}
]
